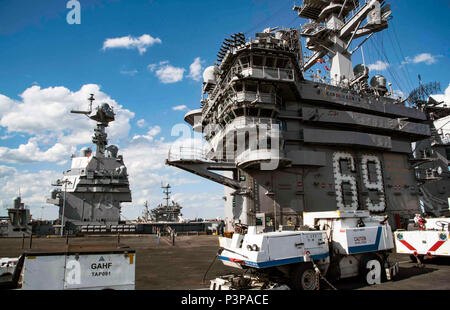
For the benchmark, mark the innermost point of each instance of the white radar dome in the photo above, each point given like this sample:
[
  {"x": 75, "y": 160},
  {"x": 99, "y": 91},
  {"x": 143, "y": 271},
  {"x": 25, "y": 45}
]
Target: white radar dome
[{"x": 209, "y": 74}]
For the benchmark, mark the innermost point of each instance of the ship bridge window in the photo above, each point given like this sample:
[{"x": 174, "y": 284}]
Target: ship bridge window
[
  {"x": 257, "y": 60},
  {"x": 252, "y": 112},
  {"x": 265, "y": 88},
  {"x": 270, "y": 62},
  {"x": 265, "y": 113},
  {"x": 238, "y": 87},
  {"x": 239, "y": 112},
  {"x": 245, "y": 61},
  {"x": 251, "y": 87},
  {"x": 282, "y": 63}
]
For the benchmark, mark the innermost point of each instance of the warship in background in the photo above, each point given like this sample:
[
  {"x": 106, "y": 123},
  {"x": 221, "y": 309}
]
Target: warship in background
[
  {"x": 91, "y": 191},
  {"x": 18, "y": 222},
  {"x": 170, "y": 213},
  {"x": 340, "y": 142},
  {"x": 432, "y": 155}
]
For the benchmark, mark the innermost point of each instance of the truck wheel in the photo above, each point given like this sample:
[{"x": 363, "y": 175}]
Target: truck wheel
[
  {"x": 304, "y": 278},
  {"x": 371, "y": 269}
]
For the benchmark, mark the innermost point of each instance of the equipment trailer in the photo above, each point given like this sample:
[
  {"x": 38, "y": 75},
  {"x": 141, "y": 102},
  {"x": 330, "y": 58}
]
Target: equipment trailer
[
  {"x": 335, "y": 244},
  {"x": 430, "y": 240},
  {"x": 72, "y": 268}
]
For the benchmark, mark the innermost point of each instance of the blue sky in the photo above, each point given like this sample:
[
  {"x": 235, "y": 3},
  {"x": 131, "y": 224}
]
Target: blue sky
[{"x": 48, "y": 66}]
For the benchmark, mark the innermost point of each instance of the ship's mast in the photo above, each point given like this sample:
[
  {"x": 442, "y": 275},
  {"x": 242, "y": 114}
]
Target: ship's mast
[
  {"x": 147, "y": 212},
  {"x": 167, "y": 193},
  {"x": 332, "y": 27},
  {"x": 103, "y": 116}
]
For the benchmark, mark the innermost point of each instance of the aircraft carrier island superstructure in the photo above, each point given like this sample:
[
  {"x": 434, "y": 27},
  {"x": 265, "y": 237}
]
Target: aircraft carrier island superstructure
[
  {"x": 433, "y": 154},
  {"x": 283, "y": 145},
  {"x": 169, "y": 213},
  {"x": 92, "y": 190}
]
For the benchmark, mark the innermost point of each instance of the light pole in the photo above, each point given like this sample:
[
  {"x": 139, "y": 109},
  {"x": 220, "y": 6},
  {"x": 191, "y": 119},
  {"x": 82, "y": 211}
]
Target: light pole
[{"x": 65, "y": 182}]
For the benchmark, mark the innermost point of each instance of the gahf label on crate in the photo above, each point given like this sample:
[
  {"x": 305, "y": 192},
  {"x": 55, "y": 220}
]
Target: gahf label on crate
[{"x": 100, "y": 270}]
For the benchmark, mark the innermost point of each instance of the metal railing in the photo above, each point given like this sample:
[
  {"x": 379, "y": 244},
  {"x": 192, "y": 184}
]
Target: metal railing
[
  {"x": 187, "y": 153},
  {"x": 269, "y": 73},
  {"x": 247, "y": 121},
  {"x": 196, "y": 154},
  {"x": 262, "y": 72},
  {"x": 269, "y": 98}
]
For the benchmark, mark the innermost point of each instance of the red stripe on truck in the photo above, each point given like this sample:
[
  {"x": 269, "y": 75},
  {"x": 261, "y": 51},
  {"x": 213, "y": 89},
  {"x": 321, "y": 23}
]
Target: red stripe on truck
[
  {"x": 436, "y": 246},
  {"x": 409, "y": 246}
]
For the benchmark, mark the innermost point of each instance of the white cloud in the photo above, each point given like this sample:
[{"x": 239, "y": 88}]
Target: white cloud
[
  {"x": 34, "y": 189},
  {"x": 145, "y": 160},
  {"x": 5, "y": 104},
  {"x": 6, "y": 137},
  {"x": 180, "y": 108},
  {"x": 44, "y": 114},
  {"x": 6, "y": 171},
  {"x": 30, "y": 152},
  {"x": 141, "y": 123},
  {"x": 152, "y": 132},
  {"x": 379, "y": 66},
  {"x": 427, "y": 58},
  {"x": 443, "y": 97},
  {"x": 443, "y": 124},
  {"x": 194, "y": 204},
  {"x": 167, "y": 73},
  {"x": 141, "y": 43},
  {"x": 398, "y": 94},
  {"x": 196, "y": 69},
  {"x": 129, "y": 72}
]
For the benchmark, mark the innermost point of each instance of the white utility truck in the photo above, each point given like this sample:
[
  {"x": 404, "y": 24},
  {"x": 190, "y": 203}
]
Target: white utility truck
[
  {"x": 75, "y": 268},
  {"x": 7, "y": 267},
  {"x": 335, "y": 244},
  {"x": 425, "y": 240}
]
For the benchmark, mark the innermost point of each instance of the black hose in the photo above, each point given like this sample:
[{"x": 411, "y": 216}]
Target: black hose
[{"x": 214, "y": 260}]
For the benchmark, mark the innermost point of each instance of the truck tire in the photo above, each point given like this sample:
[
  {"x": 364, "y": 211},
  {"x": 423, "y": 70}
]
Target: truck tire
[
  {"x": 304, "y": 278},
  {"x": 372, "y": 269}
]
